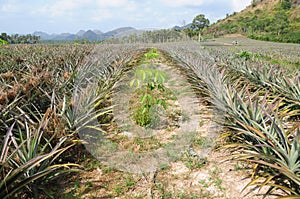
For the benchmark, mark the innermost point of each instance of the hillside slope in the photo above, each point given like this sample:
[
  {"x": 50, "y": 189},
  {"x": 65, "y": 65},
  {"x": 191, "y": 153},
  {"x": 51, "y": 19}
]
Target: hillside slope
[{"x": 271, "y": 20}]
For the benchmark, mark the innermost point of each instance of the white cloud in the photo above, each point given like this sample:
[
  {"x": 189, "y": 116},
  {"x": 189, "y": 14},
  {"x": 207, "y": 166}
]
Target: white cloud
[
  {"x": 180, "y": 3},
  {"x": 9, "y": 6},
  {"x": 110, "y": 3},
  {"x": 60, "y": 8},
  {"x": 104, "y": 9},
  {"x": 131, "y": 6},
  {"x": 239, "y": 5},
  {"x": 118, "y": 10},
  {"x": 101, "y": 14}
]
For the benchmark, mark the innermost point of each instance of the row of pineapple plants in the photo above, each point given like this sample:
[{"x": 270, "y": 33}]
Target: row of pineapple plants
[
  {"x": 258, "y": 108},
  {"x": 40, "y": 114},
  {"x": 281, "y": 81}
]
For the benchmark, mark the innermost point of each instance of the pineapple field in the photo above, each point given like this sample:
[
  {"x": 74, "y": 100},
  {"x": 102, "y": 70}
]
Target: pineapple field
[{"x": 215, "y": 119}]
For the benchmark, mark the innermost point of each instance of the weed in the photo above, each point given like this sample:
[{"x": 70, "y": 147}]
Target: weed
[
  {"x": 245, "y": 54},
  {"x": 203, "y": 142},
  {"x": 218, "y": 183},
  {"x": 94, "y": 163},
  {"x": 130, "y": 182},
  {"x": 185, "y": 117},
  {"x": 203, "y": 183},
  {"x": 193, "y": 162},
  {"x": 237, "y": 166},
  {"x": 118, "y": 190},
  {"x": 107, "y": 170}
]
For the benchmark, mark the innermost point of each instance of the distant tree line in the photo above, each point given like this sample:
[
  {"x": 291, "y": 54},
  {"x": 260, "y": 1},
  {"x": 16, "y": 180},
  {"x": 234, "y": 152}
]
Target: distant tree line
[
  {"x": 19, "y": 39},
  {"x": 156, "y": 36},
  {"x": 193, "y": 31}
]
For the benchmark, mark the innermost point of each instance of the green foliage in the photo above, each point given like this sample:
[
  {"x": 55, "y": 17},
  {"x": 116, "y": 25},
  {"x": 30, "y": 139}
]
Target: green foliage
[
  {"x": 150, "y": 85},
  {"x": 3, "y": 42},
  {"x": 286, "y": 4},
  {"x": 280, "y": 22},
  {"x": 17, "y": 39},
  {"x": 289, "y": 37},
  {"x": 150, "y": 76},
  {"x": 149, "y": 82},
  {"x": 200, "y": 22},
  {"x": 254, "y": 4},
  {"x": 152, "y": 54},
  {"x": 245, "y": 54},
  {"x": 193, "y": 162}
]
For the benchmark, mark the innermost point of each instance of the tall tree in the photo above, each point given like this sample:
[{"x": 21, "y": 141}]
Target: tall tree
[
  {"x": 199, "y": 23},
  {"x": 5, "y": 37},
  {"x": 286, "y": 4},
  {"x": 280, "y": 21}
]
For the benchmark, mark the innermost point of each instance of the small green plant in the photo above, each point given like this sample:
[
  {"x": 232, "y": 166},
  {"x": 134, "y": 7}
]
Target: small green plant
[
  {"x": 203, "y": 142},
  {"x": 237, "y": 167},
  {"x": 107, "y": 170},
  {"x": 130, "y": 182},
  {"x": 152, "y": 54},
  {"x": 205, "y": 184},
  {"x": 193, "y": 162},
  {"x": 244, "y": 54},
  {"x": 118, "y": 190},
  {"x": 93, "y": 164},
  {"x": 185, "y": 117},
  {"x": 213, "y": 180},
  {"x": 218, "y": 184},
  {"x": 150, "y": 85}
]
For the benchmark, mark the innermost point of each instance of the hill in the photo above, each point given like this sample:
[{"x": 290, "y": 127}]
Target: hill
[{"x": 271, "y": 20}]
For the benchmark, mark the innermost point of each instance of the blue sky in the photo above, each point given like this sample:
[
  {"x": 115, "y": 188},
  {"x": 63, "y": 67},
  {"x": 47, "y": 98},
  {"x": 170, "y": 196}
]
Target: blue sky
[{"x": 58, "y": 16}]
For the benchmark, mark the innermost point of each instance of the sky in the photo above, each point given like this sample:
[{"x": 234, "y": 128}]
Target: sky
[{"x": 60, "y": 16}]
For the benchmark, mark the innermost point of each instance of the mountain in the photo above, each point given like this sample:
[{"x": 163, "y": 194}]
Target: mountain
[
  {"x": 120, "y": 32},
  {"x": 275, "y": 20},
  {"x": 43, "y": 35},
  {"x": 55, "y": 37},
  {"x": 98, "y": 32},
  {"x": 91, "y": 35},
  {"x": 80, "y": 33},
  {"x": 65, "y": 37},
  {"x": 182, "y": 27}
]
